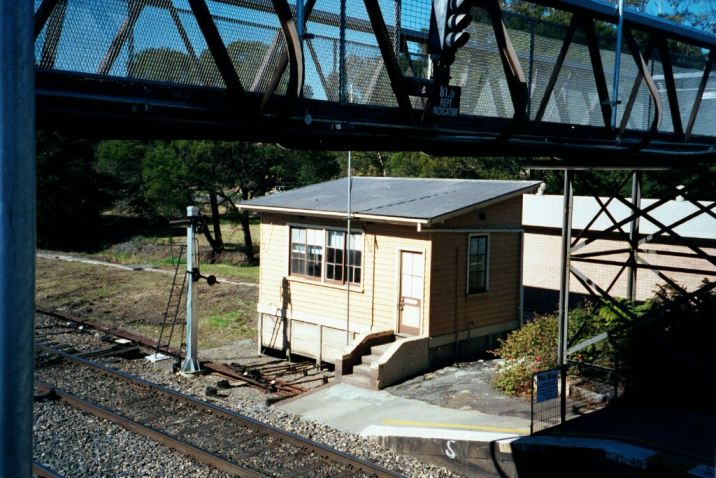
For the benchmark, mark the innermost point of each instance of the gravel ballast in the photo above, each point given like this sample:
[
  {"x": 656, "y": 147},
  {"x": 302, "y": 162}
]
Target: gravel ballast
[
  {"x": 51, "y": 436},
  {"x": 73, "y": 443}
]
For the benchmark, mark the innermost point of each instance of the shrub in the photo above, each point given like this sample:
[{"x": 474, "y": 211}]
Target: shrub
[
  {"x": 533, "y": 347},
  {"x": 668, "y": 356},
  {"x": 525, "y": 351}
]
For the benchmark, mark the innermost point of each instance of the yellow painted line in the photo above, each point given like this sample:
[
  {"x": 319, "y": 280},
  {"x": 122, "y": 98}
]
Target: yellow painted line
[{"x": 456, "y": 426}]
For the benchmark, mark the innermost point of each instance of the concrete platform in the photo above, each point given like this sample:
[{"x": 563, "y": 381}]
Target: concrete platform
[
  {"x": 466, "y": 441},
  {"x": 460, "y": 434},
  {"x": 378, "y": 413}
]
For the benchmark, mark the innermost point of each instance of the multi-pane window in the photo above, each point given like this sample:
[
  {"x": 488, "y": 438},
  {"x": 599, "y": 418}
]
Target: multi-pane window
[
  {"x": 335, "y": 247},
  {"x": 306, "y": 251},
  {"x": 338, "y": 266},
  {"x": 477, "y": 265},
  {"x": 355, "y": 256}
]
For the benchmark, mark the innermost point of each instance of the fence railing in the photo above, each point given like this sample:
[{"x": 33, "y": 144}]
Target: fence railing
[{"x": 570, "y": 391}]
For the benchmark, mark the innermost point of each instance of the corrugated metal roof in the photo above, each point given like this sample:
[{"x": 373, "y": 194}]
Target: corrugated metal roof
[
  {"x": 546, "y": 211},
  {"x": 411, "y": 198}
]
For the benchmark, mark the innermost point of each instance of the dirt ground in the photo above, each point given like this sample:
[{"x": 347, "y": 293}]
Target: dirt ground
[
  {"x": 136, "y": 300},
  {"x": 467, "y": 387}
]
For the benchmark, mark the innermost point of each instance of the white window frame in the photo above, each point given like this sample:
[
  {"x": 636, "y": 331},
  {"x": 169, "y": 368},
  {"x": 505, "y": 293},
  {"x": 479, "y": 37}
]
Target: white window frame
[
  {"x": 487, "y": 264},
  {"x": 358, "y": 287},
  {"x": 346, "y": 255}
]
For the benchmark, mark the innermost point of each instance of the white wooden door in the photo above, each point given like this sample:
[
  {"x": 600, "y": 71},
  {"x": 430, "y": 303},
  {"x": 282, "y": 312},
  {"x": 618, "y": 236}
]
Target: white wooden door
[{"x": 410, "y": 303}]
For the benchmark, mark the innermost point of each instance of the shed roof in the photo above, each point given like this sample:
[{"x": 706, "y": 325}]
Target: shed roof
[{"x": 414, "y": 200}]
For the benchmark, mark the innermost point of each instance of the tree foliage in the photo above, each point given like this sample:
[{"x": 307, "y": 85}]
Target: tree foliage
[
  {"x": 70, "y": 192},
  {"x": 667, "y": 355},
  {"x": 160, "y": 178}
]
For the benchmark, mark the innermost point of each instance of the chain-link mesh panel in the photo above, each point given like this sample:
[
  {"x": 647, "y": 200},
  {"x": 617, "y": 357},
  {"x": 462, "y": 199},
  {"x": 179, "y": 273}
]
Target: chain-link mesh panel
[
  {"x": 365, "y": 80},
  {"x": 706, "y": 116},
  {"x": 253, "y": 39},
  {"x": 322, "y": 68},
  {"x": 642, "y": 112},
  {"x": 40, "y": 40},
  {"x": 575, "y": 99},
  {"x": 657, "y": 72},
  {"x": 322, "y": 53},
  {"x": 157, "y": 42},
  {"x": 160, "y": 40},
  {"x": 415, "y": 22},
  {"x": 688, "y": 72},
  {"x": 82, "y": 38},
  {"x": 170, "y": 56},
  {"x": 478, "y": 70},
  {"x": 627, "y": 68}
]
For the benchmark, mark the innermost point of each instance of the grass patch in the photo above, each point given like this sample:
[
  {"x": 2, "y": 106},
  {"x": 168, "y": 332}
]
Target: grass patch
[
  {"x": 135, "y": 300},
  {"x": 235, "y": 322},
  {"x": 234, "y": 273},
  {"x": 162, "y": 257}
]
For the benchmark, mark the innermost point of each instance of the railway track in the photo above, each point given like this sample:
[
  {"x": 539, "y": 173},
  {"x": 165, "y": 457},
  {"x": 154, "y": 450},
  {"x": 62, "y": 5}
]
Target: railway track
[
  {"x": 219, "y": 437},
  {"x": 266, "y": 382}
]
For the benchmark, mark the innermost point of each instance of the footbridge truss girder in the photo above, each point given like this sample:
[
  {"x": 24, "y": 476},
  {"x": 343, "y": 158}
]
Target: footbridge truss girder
[{"x": 360, "y": 76}]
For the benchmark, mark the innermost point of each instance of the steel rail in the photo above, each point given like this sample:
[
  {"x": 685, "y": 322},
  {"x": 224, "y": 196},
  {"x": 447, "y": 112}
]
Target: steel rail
[
  {"x": 156, "y": 435},
  {"x": 44, "y": 472},
  {"x": 320, "y": 449},
  {"x": 287, "y": 388}
]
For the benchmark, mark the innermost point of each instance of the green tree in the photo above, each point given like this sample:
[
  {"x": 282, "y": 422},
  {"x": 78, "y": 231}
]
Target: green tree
[
  {"x": 416, "y": 164},
  {"x": 292, "y": 169},
  {"x": 70, "y": 193},
  {"x": 121, "y": 162},
  {"x": 667, "y": 355}
]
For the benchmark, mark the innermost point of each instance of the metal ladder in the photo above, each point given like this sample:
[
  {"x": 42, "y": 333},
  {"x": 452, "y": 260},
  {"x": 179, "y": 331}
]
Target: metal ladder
[{"x": 172, "y": 309}]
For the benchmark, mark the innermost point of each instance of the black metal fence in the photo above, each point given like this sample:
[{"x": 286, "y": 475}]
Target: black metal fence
[{"x": 570, "y": 391}]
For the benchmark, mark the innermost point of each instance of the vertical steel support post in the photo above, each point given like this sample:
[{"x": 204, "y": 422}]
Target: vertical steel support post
[
  {"x": 564, "y": 287},
  {"x": 530, "y": 68},
  {"x": 634, "y": 236},
  {"x": 191, "y": 363},
  {"x": 617, "y": 64},
  {"x": 347, "y": 258},
  {"x": 564, "y": 268},
  {"x": 17, "y": 235},
  {"x": 342, "y": 74}
]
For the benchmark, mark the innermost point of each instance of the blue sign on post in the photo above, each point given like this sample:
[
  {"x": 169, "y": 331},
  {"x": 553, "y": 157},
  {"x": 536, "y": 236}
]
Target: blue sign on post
[{"x": 546, "y": 383}]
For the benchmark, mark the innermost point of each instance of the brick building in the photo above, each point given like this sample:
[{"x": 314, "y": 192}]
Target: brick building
[{"x": 542, "y": 221}]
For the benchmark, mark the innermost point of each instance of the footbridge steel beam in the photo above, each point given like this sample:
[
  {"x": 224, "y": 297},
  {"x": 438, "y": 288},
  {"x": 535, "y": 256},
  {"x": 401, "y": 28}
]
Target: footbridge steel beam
[{"x": 237, "y": 70}]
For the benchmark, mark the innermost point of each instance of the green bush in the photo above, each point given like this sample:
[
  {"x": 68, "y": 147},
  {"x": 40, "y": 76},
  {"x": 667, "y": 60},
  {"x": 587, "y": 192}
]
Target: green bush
[
  {"x": 525, "y": 351},
  {"x": 667, "y": 356},
  {"x": 533, "y": 347}
]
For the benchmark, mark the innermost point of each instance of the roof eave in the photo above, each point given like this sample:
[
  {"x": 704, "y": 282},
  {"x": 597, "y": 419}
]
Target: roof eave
[
  {"x": 484, "y": 204},
  {"x": 334, "y": 214}
]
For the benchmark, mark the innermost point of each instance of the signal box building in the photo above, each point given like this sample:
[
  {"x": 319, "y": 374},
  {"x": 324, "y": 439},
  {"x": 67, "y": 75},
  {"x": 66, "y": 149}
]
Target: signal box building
[{"x": 429, "y": 272}]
